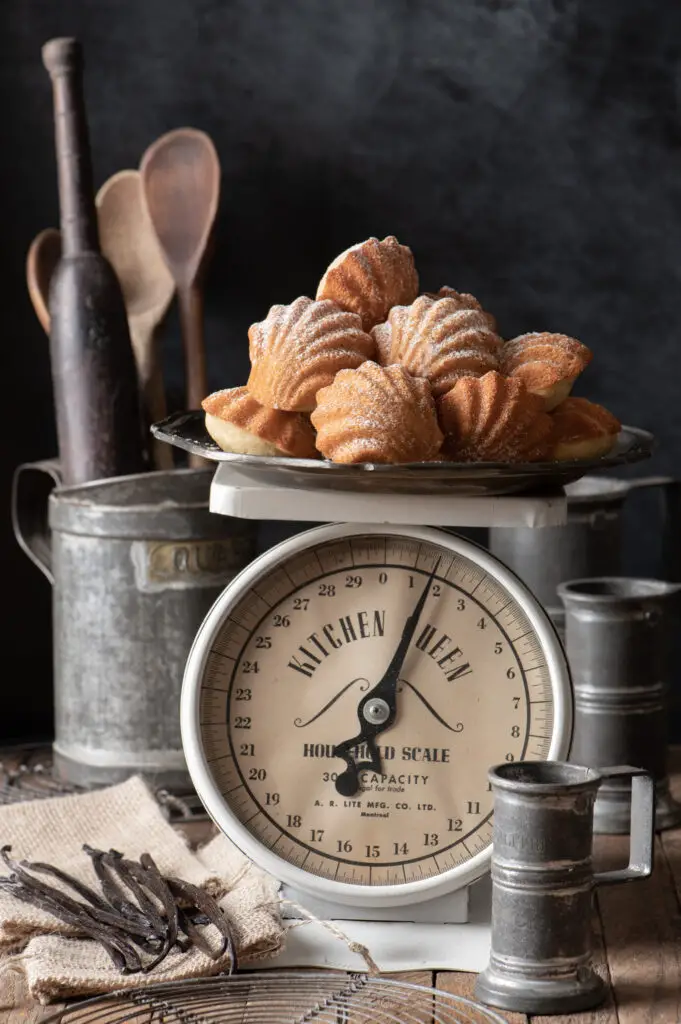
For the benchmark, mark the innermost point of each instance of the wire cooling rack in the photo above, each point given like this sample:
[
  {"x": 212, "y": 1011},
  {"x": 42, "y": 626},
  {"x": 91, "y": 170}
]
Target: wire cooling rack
[
  {"x": 27, "y": 773},
  {"x": 273, "y": 997}
]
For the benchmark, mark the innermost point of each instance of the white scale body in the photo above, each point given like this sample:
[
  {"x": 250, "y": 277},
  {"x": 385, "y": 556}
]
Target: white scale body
[{"x": 305, "y": 651}]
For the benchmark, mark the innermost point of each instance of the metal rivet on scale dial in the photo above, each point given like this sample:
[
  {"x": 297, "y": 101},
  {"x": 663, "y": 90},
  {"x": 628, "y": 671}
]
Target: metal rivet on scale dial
[{"x": 377, "y": 712}]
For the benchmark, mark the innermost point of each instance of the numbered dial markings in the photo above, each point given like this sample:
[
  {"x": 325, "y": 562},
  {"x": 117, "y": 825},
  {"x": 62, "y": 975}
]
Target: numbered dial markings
[{"x": 287, "y": 671}]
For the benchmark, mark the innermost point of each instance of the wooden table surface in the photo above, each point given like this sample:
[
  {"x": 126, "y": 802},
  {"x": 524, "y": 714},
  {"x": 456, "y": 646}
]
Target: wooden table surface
[{"x": 637, "y": 932}]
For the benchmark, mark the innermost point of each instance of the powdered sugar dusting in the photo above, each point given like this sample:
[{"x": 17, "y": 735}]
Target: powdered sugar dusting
[
  {"x": 371, "y": 277},
  {"x": 299, "y": 348},
  {"x": 494, "y": 419},
  {"x": 565, "y": 355},
  {"x": 438, "y": 339},
  {"x": 376, "y": 414}
]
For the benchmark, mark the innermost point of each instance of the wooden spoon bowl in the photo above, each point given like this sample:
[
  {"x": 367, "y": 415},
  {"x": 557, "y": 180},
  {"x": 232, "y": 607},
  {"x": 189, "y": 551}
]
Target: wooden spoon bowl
[
  {"x": 43, "y": 255},
  {"x": 129, "y": 242},
  {"x": 181, "y": 178}
]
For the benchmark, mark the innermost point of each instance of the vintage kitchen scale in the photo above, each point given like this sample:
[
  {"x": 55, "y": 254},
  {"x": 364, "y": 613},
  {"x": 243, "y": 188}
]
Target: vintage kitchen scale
[{"x": 348, "y": 691}]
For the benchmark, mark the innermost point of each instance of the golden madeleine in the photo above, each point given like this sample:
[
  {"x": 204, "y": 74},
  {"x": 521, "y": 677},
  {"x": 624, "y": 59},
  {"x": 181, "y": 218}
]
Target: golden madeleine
[
  {"x": 371, "y": 277},
  {"x": 377, "y": 414},
  {"x": 439, "y": 339},
  {"x": 583, "y": 430},
  {"x": 299, "y": 348},
  {"x": 494, "y": 419},
  {"x": 547, "y": 364},
  {"x": 237, "y": 422}
]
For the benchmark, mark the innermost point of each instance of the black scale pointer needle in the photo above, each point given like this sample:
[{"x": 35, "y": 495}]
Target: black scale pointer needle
[{"x": 377, "y": 709}]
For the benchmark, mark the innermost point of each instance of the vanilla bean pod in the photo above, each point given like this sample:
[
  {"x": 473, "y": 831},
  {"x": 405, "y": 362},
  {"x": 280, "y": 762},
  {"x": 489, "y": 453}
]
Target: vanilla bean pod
[
  {"x": 195, "y": 937},
  {"x": 168, "y": 911},
  {"x": 133, "y": 876},
  {"x": 107, "y": 917},
  {"x": 197, "y": 918},
  {"x": 116, "y": 862},
  {"x": 199, "y": 898},
  {"x": 119, "y": 951},
  {"x": 155, "y": 881},
  {"x": 127, "y": 871},
  {"x": 117, "y": 898},
  {"x": 184, "y": 942},
  {"x": 83, "y": 890},
  {"x": 147, "y": 874},
  {"x": 148, "y": 944}
]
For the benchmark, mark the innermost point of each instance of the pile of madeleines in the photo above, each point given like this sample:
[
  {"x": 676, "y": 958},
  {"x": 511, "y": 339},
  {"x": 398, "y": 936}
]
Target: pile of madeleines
[{"x": 373, "y": 371}]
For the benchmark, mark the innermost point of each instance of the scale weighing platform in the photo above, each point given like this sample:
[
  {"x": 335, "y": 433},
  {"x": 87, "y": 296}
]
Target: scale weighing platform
[{"x": 344, "y": 699}]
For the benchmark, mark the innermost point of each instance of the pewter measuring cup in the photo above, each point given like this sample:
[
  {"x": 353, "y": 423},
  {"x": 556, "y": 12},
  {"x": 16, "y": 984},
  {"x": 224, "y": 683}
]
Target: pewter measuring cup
[
  {"x": 618, "y": 639},
  {"x": 543, "y": 882}
]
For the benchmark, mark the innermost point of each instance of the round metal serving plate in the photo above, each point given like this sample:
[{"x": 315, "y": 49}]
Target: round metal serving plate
[
  {"x": 187, "y": 430},
  {"x": 209, "y": 791},
  {"x": 271, "y": 997}
]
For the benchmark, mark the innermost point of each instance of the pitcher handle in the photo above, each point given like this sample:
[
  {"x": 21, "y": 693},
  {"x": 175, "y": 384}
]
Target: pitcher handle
[
  {"x": 32, "y": 484},
  {"x": 642, "y": 830},
  {"x": 670, "y": 548}
]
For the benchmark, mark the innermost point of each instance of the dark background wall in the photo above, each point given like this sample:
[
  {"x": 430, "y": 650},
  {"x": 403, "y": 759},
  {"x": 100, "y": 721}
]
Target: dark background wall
[{"x": 527, "y": 150}]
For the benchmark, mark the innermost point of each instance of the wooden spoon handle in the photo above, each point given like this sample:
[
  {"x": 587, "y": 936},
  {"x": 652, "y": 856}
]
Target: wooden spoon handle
[
  {"x": 190, "y": 301},
  {"x": 150, "y": 375}
]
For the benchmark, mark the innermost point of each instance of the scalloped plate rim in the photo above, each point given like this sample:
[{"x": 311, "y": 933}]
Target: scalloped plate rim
[{"x": 641, "y": 445}]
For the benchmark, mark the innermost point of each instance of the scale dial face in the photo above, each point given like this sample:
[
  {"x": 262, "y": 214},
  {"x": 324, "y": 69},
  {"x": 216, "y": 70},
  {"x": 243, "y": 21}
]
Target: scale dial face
[{"x": 418, "y": 646}]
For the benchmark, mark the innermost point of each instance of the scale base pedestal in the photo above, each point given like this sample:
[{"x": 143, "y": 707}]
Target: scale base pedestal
[
  {"x": 451, "y": 909},
  {"x": 394, "y": 945}
]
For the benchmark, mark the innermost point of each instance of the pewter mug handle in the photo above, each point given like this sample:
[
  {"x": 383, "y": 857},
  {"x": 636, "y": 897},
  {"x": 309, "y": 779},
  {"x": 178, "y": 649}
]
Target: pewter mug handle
[
  {"x": 32, "y": 484},
  {"x": 642, "y": 829}
]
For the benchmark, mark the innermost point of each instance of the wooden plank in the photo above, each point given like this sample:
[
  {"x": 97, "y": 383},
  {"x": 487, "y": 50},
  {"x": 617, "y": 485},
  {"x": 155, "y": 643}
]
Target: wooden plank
[
  {"x": 16, "y": 1005},
  {"x": 671, "y": 846},
  {"x": 460, "y": 983},
  {"x": 384, "y": 1009},
  {"x": 642, "y": 934}
]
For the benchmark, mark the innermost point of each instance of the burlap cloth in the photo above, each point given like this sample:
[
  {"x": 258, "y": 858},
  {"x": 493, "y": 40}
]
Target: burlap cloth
[{"x": 57, "y": 963}]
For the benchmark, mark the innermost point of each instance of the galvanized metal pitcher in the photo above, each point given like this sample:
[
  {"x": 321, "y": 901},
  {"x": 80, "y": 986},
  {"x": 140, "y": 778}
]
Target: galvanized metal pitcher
[
  {"x": 543, "y": 882},
  {"x": 135, "y": 563},
  {"x": 590, "y": 543},
  {"x": 618, "y": 634}
]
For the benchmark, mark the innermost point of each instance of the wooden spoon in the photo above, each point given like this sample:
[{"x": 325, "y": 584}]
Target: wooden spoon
[
  {"x": 129, "y": 242},
  {"x": 181, "y": 177},
  {"x": 43, "y": 255}
]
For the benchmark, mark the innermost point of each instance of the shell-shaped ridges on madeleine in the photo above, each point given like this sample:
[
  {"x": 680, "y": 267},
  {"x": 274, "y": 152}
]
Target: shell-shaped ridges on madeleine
[
  {"x": 438, "y": 339},
  {"x": 542, "y": 359},
  {"x": 494, "y": 419},
  {"x": 299, "y": 349},
  {"x": 370, "y": 278},
  {"x": 466, "y": 301},
  {"x": 578, "y": 418},
  {"x": 291, "y": 432},
  {"x": 377, "y": 414}
]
